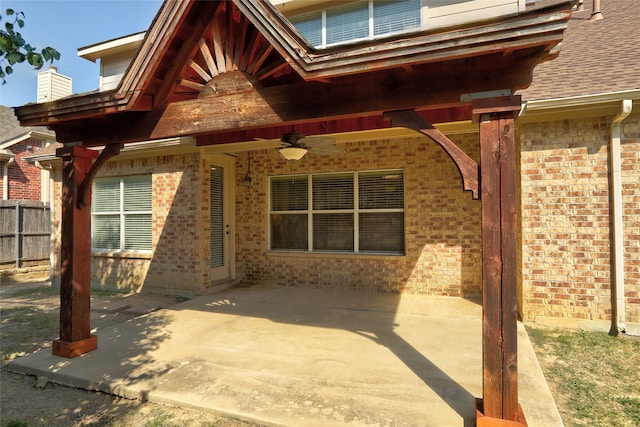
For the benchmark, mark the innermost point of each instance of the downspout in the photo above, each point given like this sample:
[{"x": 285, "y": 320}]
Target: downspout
[
  {"x": 617, "y": 245},
  {"x": 5, "y": 178},
  {"x": 596, "y": 14}
]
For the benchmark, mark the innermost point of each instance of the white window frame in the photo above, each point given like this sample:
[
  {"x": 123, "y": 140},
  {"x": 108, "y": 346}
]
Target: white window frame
[
  {"x": 356, "y": 211},
  {"x": 122, "y": 213},
  {"x": 370, "y": 36}
]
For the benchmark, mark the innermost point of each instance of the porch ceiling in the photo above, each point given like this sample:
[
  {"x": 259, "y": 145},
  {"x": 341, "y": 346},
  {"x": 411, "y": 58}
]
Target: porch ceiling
[{"x": 236, "y": 69}]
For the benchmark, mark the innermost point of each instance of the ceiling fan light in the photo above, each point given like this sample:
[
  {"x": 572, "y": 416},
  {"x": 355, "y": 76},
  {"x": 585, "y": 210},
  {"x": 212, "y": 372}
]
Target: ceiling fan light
[{"x": 292, "y": 153}]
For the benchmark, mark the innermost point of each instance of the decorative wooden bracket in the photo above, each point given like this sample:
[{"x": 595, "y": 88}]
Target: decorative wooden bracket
[
  {"x": 108, "y": 152},
  {"x": 468, "y": 167}
]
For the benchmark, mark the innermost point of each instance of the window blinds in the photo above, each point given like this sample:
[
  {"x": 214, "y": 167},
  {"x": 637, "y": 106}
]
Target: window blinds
[
  {"x": 217, "y": 217},
  {"x": 122, "y": 217},
  {"x": 347, "y": 23},
  {"x": 395, "y": 16},
  {"x": 289, "y": 217},
  {"x": 349, "y": 212},
  {"x": 358, "y": 21}
]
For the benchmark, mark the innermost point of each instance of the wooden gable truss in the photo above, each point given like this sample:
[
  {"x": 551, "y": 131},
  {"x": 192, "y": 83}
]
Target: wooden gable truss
[{"x": 230, "y": 71}]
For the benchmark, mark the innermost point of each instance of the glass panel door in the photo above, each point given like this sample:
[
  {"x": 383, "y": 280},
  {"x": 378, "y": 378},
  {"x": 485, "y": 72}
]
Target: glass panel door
[
  {"x": 217, "y": 217},
  {"x": 221, "y": 219}
]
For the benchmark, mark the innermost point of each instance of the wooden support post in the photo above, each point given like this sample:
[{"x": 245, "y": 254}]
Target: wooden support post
[
  {"x": 75, "y": 304},
  {"x": 499, "y": 262}
]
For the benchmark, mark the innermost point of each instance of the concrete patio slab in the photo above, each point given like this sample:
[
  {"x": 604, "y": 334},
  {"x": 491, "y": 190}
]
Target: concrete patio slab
[{"x": 302, "y": 357}]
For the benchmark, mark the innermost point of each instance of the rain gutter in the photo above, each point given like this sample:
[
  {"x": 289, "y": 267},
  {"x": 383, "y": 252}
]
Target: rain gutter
[
  {"x": 583, "y": 105},
  {"x": 616, "y": 215}
]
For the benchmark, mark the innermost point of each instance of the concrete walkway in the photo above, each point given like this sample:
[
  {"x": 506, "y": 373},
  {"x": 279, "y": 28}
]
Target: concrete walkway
[{"x": 301, "y": 357}]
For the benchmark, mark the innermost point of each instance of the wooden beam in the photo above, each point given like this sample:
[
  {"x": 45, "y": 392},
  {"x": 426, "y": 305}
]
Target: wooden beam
[
  {"x": 259, "y": 59},
  {"x": 84, "y": 189},
  {"x": 231, "y": 37},
  {"x": 242, "y": 30},
  {"x": 217, "y": 46},
  {"x": 170, "y": 18},
  {"x": 187, "y": 49},
  {"x": 271, "y": 69},
  {"x": 499, "y": 262},
  {"x": 206, "y": 54},
  {"x": 427, "y": 87},
  {"x": 353, "y": 124},
  {"x": 198, "y": 69},
  {"x": 466, "y": 165},
  {"x": 249, "y": 51},
  {"x": 75, "y": 293}
]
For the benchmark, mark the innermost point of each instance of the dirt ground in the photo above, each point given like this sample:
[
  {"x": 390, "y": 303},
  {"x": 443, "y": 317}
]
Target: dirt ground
[{"x": 29, "y": 321}]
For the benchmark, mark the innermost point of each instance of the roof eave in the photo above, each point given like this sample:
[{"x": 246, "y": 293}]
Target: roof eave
[
  {"x": 542, "y": 28},
  {"x": 73, "y": 107}
]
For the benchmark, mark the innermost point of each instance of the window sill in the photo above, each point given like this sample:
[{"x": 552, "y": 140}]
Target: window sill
[{"x": 122, "y": 254}]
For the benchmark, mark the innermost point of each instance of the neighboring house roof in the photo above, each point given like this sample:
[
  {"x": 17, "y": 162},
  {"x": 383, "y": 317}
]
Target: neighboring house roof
[
  {"x": 12, "y": 133},
  {"x": 596, "y": 56}
]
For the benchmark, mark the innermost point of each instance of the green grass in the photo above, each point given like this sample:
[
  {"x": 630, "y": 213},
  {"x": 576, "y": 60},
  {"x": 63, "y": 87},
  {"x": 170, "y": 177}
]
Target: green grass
[{"x": 595, "y": 377}]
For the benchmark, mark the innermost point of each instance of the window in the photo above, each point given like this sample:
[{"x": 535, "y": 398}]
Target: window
[
  {"x": 359, "y": 212},
  {"x": 121, "y": 213},
  {"x": 358, "y": 21}
]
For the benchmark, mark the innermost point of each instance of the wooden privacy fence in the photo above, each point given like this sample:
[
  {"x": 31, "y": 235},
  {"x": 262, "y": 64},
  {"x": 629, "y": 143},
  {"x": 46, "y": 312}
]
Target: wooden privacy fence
[{"x": 25, "y": 233}]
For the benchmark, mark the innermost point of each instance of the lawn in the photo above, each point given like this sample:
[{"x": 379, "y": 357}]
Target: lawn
[{"x": 594, "y": 377}]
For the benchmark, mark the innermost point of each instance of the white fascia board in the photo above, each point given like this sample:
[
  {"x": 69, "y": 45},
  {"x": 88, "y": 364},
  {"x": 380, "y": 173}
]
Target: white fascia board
[{"x": 110, "y": 47}]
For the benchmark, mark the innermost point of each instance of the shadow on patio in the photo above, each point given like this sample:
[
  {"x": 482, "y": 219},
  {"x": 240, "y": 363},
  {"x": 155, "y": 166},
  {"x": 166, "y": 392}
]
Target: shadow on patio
[{"x": 296, "y": 357}]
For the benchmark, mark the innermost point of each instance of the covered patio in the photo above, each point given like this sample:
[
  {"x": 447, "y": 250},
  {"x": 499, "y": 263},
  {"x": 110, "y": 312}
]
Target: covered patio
[
  {"x": 282, "y": 356},
  {"x": 231, "y": 71}
]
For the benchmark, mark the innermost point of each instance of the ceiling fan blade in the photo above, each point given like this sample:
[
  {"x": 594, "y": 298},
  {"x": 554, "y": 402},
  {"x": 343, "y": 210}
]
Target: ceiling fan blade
[
  {"x": 316, "y": 141},
  {"x": 325, "y": 150}
]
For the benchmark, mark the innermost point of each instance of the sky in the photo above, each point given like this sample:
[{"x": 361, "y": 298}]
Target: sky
[{"x": 67, "y": 25}]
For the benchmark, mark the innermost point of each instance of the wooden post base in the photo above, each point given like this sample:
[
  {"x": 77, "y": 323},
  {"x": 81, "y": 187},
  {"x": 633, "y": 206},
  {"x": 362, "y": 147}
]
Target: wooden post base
[
  {"x": 76, "y": 348},
  {"x": 484, "y": 421}
]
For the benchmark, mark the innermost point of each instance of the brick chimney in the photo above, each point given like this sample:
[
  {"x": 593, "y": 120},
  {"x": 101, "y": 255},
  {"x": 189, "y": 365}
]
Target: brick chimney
[{"x": 52, "y": 86}]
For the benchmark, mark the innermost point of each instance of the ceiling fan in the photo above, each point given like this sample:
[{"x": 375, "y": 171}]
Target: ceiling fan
[{"x": 296, "y": 145}]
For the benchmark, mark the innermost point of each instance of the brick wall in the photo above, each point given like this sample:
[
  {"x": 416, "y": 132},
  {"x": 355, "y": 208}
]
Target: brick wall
[
  {"x": 565, "y": 259},
  {"x": 176, "y": 263},
  {"x": 24, "y": 178},
  {"x": 565, "y": 219},
  {"x": 442, "y": 222}
]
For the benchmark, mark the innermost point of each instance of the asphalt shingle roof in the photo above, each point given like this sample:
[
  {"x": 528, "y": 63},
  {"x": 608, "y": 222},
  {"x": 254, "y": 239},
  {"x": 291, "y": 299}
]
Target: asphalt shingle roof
[
  {"x": 595, "y": 57},
  {"x": 10, "y": 127}
]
